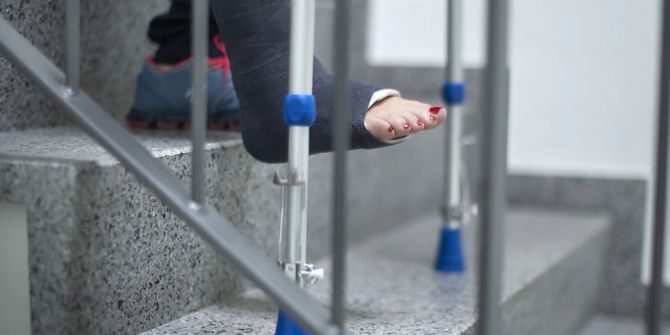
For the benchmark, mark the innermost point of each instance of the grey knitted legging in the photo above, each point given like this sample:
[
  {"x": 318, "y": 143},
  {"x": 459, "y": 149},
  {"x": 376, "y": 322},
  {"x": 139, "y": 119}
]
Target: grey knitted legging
[{"x": 256, "y": 34}]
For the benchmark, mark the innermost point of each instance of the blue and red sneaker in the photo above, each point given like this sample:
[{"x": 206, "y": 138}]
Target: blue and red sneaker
[{"x": 162, "y": 98}]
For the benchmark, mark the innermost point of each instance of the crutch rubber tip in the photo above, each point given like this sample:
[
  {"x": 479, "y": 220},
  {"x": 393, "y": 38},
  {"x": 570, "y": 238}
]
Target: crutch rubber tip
[
  {"x": 453, "y": 93},
  {"x": 300, "y": 110},
  {"x": 286, "y": 326},
  {"x": 450, "y": 251}
]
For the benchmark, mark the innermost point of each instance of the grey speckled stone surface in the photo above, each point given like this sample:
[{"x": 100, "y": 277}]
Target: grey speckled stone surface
[
  {"x": 607, "y": 325},
  {"x": 114, "y": 44},
  {"x": 552, "y": 268},
  {"x": 107, "y": 257},
  {"x": 624, "y": 200}
]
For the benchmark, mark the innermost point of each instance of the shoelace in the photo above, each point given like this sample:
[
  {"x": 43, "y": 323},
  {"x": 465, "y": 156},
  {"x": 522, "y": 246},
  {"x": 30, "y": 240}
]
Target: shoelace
[{"x": 222, "y": 62}]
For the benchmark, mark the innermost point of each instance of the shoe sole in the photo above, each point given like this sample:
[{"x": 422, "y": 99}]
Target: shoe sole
[{"x": 229, "y": 120}]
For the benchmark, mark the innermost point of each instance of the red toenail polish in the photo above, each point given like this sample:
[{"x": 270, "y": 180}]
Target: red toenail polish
[
  {"x": 435, "y": 109},
  {"x": 419, "y": 122},
  {"x": 390, "y": 130},
  {"x": 432, "y": 118},
  {"x": 405, "y": 125}
]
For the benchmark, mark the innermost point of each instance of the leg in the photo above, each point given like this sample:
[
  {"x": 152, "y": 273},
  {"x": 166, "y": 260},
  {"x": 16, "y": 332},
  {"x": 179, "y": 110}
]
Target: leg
[{"x": 257, "y": 37}]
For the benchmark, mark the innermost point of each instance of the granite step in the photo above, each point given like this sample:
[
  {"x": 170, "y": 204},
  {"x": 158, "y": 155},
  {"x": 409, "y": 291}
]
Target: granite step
[
  {"x": 106, "y": 257},
  {"x": 604, "y": 324},
  {"x": 553, "y": 264}
]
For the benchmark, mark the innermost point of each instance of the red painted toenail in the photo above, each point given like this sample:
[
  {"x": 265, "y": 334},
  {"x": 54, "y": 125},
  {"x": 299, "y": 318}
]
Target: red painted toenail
[
  {"x": 405, "y": 125},
  {"x": 419, "y": 122},
  {"x": 432, "y": 118},
  {"x": 435, "y": 109},
  {"x": 390, "y": 130}
]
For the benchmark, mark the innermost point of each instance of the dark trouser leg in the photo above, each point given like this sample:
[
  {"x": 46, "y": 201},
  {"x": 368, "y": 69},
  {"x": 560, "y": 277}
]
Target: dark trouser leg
[
  {"x": 172, "y": 32},
  {"x": 256, "y": 35}
]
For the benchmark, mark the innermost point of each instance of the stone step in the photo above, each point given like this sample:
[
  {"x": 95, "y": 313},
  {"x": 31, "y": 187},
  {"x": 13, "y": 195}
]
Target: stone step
[
  {"x": 104, "y": 253},
  {"x": 107, "y": 257},
  {"x": 604, "y": 324},
  {"x": 552, "y": 260}
]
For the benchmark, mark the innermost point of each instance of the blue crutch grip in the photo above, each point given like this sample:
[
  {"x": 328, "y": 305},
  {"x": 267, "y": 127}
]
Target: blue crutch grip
[
  {"x": 453, "y": 93},
  {"x": 450, "y": 251},
  {"x": 299, "y": 110},
  {"x": 286, "y": 326}
]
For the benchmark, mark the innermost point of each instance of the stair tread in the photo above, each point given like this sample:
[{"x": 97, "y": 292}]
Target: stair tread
[
  {"x": 618, "y": 325},
  {"x": 95, "y": 230},
  {"x": 73, "y": 144},
  {"x": 382, "y": 270}
]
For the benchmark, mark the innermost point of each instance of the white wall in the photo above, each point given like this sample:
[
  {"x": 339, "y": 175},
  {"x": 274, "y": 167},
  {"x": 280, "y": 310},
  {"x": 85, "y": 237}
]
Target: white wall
[
  {"x": 583, "y": 84},
  {"x": 414, "y": 35}
]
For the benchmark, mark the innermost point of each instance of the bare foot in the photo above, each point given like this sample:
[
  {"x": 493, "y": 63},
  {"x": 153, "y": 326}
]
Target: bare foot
[{"x": 394, "y": 118}]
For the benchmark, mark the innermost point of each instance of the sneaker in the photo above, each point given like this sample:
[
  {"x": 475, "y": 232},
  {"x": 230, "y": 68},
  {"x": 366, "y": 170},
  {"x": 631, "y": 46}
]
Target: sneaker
[{"x": 162, "y": 98}]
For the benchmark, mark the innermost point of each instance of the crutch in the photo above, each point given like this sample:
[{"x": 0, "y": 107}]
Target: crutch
[
  {"x": 450, "y": 251},
  {"x": 299, "y": 115}
]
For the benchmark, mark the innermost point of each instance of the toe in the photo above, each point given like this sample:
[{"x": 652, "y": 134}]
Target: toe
[
  {"x": 416, "y": 122},
  {"x": 401, "y": 125},
  {"x": 431, "y": 116},
  {"x": 380, "y": 128},
  {"x": 439, "y": 112},
  {"x": 430, "y": 120}
]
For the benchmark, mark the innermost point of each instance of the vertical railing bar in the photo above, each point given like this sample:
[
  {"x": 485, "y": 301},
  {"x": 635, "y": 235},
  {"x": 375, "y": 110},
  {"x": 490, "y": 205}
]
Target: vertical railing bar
[
  {"x": 494, "y": 162},
  {"x": 72, "y": 45},
  {"x": 655, "y": 290},
  {"x": 341, "y": 139},
  {"x": 199, "y": 31}
]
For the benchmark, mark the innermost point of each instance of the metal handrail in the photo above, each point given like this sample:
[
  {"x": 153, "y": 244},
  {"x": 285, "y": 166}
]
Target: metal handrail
[
  {"x": 654, "y": 311},
  {"x": 341, "y": 141},
  {"x": 494, "y": 163},
  {"x": 204, "y": 219},
  {"x": 200, "y": 31}
]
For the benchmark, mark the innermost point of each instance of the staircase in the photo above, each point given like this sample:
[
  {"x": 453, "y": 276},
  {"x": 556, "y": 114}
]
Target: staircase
[
  {"x": 108, "y": 257},
  {"x": 549, "y": 286}
]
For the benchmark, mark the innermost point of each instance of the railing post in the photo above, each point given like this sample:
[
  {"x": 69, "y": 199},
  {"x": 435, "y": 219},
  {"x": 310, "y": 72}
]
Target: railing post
[
  {"x": 341, "y": 140},
  {"x": 299, "y": 115},
  {"x": 494, "y": 163},
  {"x": 450, "y": 250},
  {"x": 655, "y": 291},
  {"x": 72, "y": 45},
  {"x": 200, "y": 33}
]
